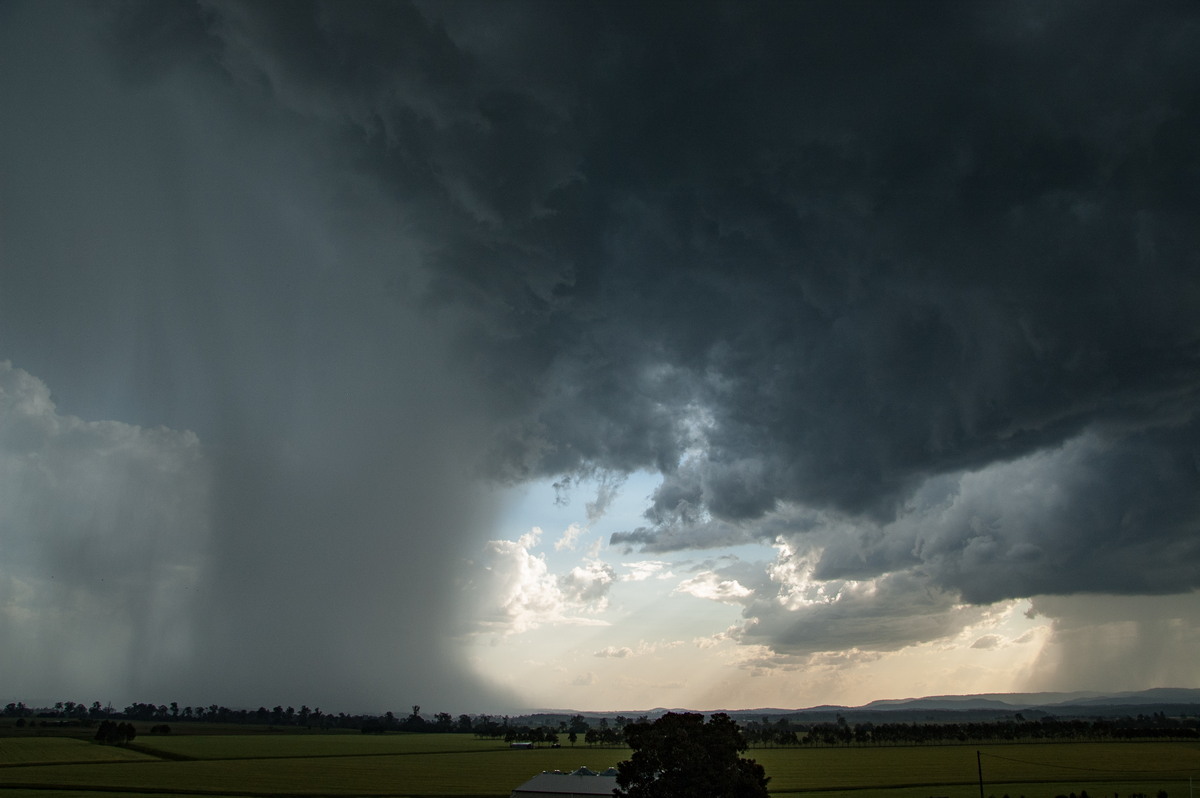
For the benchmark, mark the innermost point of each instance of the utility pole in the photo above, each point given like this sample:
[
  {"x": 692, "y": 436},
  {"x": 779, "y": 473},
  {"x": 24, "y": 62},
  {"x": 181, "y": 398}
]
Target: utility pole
[{"x": 979, "y": 765}]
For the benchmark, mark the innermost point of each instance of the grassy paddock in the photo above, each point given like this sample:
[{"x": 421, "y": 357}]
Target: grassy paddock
[
  {"x": 1008, "y": 769},
  {"x": 51, "y": 750},
  {"x": 313, "y": 745},
  {"x": 460, "y": 765},
  {"x": 484, "y": 772}
]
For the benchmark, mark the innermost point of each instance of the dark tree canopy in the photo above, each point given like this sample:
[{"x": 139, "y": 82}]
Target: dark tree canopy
[{"x": 681, "y": 755}]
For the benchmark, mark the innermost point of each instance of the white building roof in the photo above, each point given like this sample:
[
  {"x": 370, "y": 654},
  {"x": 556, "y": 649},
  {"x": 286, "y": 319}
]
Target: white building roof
[{"x": 580, "y": 784}]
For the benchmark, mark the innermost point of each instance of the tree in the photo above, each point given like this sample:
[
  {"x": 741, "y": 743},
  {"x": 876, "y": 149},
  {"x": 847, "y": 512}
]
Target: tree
[
  {"x": 414, "y": 722},
  {"x": 681, "y": 755},
  {"x": 115, "y": 733}
]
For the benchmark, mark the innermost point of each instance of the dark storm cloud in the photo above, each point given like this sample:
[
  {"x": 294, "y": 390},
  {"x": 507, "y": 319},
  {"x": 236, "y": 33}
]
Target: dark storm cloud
[
  {"x": 840, "y": 252},
  {"x": 813, "y": 262},
  {"x": 856, "y": 245}
]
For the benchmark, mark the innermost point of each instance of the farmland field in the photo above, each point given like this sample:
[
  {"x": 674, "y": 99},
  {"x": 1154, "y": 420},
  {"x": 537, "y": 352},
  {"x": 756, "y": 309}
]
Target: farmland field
[
  {"x": 50, "y": 750},
  {"x": 461, "y": 765},
  {"x": 259, "y": 746},
  {"x": 1031, "y": 770}
]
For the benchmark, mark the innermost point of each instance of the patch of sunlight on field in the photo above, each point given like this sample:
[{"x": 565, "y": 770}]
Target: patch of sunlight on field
[
  {"x": 229, "y": 746},
  {"x": 48, "y": 750}
]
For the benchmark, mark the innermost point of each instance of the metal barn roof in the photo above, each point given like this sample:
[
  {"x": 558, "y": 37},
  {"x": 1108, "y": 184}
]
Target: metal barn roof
[{"x": 582, "y": 783}]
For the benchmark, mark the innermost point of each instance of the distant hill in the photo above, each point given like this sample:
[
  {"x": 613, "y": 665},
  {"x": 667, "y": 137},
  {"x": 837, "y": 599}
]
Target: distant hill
[
  {"x": 1008, "y": 701},
  {"x": 1018, "y": 701},
  {"x": 1171, "y": 701},
  {"x": 1157, "y": 695}
]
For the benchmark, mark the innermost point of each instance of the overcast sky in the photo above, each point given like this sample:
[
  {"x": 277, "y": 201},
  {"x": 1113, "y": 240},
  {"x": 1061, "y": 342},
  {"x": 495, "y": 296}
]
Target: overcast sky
[{"x": 597, "y": 355}]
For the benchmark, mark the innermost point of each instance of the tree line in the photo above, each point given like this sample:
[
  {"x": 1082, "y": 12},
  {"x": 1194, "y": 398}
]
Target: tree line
[
  {"x": 1140, "y": 727},
  {"x": 78, "y": 713},
  {"x": 600, "y": 731},
  {"x": 606, "y": 731}
]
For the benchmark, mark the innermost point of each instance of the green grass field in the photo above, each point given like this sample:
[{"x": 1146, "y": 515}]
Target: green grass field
[
  {"x": 460, "y": 765},
  {"x": 52, "y": 750},
  {"x": 227, "y": 746},
  {"x": 1031, "y": 770}
]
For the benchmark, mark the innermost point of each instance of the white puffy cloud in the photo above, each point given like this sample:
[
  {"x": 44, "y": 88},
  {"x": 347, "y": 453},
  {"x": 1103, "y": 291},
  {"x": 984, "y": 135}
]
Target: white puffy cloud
[
  {"x": 515, "y": 591},
  {"x": 805, "y": 615},
  {"x": 588, "y": 584},
  {"x": 711, "y": 641},
  {"x": 646, "y": 569},
  {"x": 710, "y": 585},
  {"x": 613, "y": 651},
  {"x": 569, "y": 537}
]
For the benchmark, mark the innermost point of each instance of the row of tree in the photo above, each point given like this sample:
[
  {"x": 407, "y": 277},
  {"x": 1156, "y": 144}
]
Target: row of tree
[
  {"x": 66, "y": 711},
  {"x": 1156, "y": 726},
  {"x": 603, "y": 731},
  {"x": 600, "y": 731}
]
